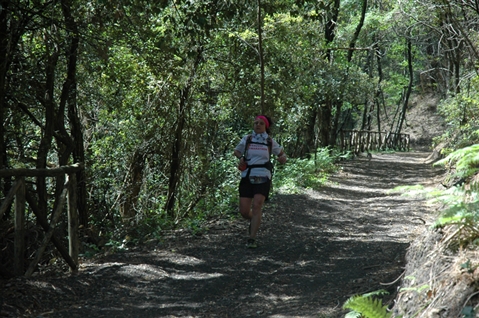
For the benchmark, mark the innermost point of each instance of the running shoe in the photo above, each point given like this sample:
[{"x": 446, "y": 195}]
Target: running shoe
[{"x": 251, "y": 243}]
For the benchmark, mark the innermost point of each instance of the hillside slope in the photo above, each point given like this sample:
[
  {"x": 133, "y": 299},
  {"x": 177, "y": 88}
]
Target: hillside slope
[{"x": 422, "y": 123}]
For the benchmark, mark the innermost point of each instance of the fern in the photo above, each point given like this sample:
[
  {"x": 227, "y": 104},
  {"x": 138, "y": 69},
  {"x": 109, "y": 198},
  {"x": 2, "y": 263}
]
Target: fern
[
  {"x": 462, "y": 211},
  {"x": 352, "y": 314},
  {"x": 466, "y": 161},
  {"x": 466, "y": 214},
  {"x": 380, "y": 292},
  {"x": 367, "y": 306},
  {"x": 462, "y": 201}
]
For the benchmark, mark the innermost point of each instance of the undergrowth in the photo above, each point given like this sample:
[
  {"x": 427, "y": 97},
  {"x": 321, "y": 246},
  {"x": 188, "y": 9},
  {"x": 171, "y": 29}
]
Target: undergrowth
[
  {"x": 312, "y": 172},
  {"x": 367, "y": 306},
  {"x": 222, "y": 201},
  {"x": 461, "y": 201}
]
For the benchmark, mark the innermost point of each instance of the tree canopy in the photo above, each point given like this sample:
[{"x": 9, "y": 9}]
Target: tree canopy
[{"x": 153, "y": 97}]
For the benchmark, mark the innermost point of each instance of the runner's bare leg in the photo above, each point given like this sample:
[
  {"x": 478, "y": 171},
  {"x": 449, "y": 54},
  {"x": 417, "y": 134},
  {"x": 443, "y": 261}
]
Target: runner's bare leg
[{"x": 257, "y": 213}]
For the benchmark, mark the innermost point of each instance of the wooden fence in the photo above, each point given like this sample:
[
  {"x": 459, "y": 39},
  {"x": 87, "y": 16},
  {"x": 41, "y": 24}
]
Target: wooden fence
[
  {"x": 358, "y": 141},
  {"x": 22, "y": 196}
]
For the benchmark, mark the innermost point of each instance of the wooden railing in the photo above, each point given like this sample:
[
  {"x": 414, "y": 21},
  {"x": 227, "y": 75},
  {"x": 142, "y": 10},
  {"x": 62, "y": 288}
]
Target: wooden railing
[
  {"x": 358, "y": 141},
  {"x": 19, "y": 192}
]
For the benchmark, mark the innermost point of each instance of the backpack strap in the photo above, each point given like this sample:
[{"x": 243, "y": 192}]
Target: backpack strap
[
  {"x": 269, "y": 142},
  {"x": 268, "y": 165}
]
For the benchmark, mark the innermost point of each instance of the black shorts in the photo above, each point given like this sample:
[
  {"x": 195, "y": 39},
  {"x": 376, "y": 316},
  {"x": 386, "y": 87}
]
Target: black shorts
[{"x": 248, "y": 190}]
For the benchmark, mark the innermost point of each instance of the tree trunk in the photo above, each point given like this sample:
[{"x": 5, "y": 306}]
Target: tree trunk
[
  {"x": 4, "y": 58},
  {"x": 46, "y": 140},
  {"x": 329, "y": 30},
  {"x": 369, "y": 103},
  {"x": 4, "y": 65},
  {"x": 175, "y": 162},
  {"x": 76, "y": 127},
  {"x": 402, "y": 116},
  {"x": 260, "y": 53},
  {"x": 352, "y": 44},
  {"x": 338, "y": 104},
  {"x": 325, "y": 110},
  {"x": 309, "y": 135},
  {"x": 457, "y": 66},
  {"x": 325, "y": 123},
  {"x": 133, "y": 186},
  {"x": 378, "y": 93}
]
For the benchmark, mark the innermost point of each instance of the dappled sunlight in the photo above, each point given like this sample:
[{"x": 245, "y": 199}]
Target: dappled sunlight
[
  {"x": 263, "y": 259},
  {"x": 315, "y": 250},
  {"x": 179, "y": 259},
  {"x": 146, "y": 271},
  {"x": 149, "y": 272},
  {"x": 195, "y": 276},
  {"x": 156, "y": 305},
  {"x": 308, "y": 227},
  {"x": 275, "y": 298},
  {"x": 142, "y": 271}
]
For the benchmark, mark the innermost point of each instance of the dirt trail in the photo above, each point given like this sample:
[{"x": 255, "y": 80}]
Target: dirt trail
[{"x": 316, "y": 250}]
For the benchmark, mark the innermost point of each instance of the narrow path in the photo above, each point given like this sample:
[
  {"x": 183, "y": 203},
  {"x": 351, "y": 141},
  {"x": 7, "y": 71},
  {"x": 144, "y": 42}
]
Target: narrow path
[{"x": 317, "y": 249}]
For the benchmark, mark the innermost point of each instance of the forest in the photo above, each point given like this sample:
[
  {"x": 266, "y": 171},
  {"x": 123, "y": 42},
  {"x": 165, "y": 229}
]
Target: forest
[{"x": 152, "y": 97}]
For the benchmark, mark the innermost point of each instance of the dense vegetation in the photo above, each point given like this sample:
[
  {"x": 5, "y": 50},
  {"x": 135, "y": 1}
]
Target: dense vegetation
[{"x": 153, "y": 97}]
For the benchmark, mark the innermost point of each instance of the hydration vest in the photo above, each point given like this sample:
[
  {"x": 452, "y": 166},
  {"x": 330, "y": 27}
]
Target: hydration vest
[{"x": 268, "y": 165}]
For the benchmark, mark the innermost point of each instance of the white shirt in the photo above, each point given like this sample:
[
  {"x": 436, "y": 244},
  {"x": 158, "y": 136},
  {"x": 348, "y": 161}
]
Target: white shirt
[{"x": 258, "y": 154}]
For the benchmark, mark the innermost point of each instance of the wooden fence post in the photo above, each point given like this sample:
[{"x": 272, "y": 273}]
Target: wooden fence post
[
  {"x": 341, "y": 140},
  {"x": 73, "y": 220},
  {"x": 9, "y": 198},
  {"x": 19, "y": 244},
  {"x": 48, "y": 235},
  {"x": 44, "y": 223},
  {"x": 21, "y": 196},
  {"x": 365, "y": 140}
]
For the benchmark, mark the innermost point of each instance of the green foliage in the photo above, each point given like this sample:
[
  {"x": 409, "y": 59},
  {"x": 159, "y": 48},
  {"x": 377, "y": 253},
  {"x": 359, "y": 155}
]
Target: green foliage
[
  {"x": 461, "y": 202},
  {"x": 464, "y": 214},
  {"x": 90, "y": 250},
  {"x": 304, "y": 173},
  {"x": 367, "y": 306},
  {"x": 468, "y": 312},
  {"x": 462, "y": 108},
  {"x": 196, "y": 63},
  {"x": 417, "y": 289},
  {"x": 465, "y": 161},
  {"x": 461, "y": 112}
]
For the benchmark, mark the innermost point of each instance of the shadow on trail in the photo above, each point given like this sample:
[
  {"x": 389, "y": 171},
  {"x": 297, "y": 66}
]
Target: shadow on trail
[{"x": 316, "y": 250}]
